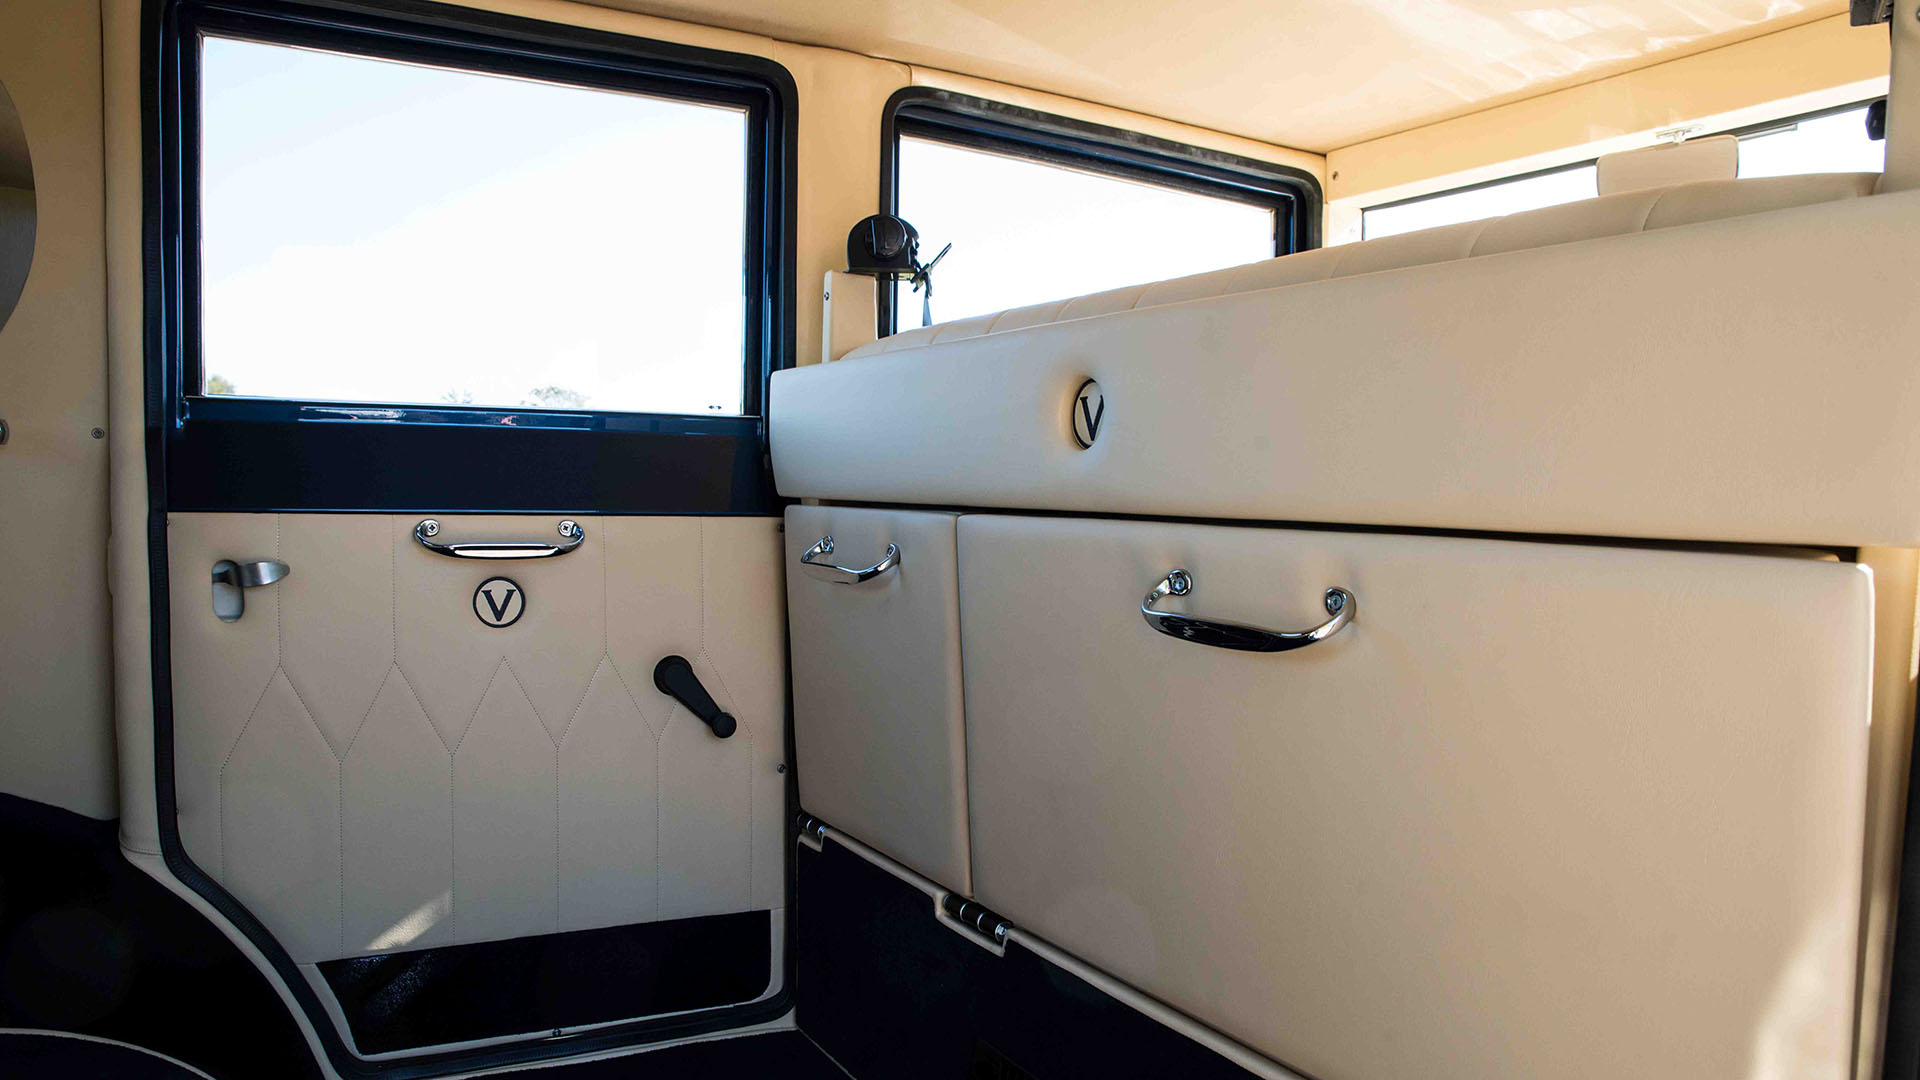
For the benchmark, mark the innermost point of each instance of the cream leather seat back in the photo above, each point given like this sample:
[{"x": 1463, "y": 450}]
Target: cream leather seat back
[{"x": 1629, "y": 210}]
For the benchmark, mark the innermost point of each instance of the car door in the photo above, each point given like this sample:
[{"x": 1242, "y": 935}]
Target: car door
[{"x": 470, "y": 681}]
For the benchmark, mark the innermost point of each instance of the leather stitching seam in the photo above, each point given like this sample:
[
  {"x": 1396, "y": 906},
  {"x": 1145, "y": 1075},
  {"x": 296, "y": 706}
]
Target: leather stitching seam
[
  {"x": 235, "y": 745},
  {"x": 453, "y": 806},
  {"x": 548, "y": 732},
  {"x": 340, "y": 780},
  {"x": 733, "y": 706}
]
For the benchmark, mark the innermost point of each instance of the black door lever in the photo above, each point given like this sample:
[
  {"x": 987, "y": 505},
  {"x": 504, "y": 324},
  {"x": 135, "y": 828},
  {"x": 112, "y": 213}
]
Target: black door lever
[{"x": 674, "y": 676}]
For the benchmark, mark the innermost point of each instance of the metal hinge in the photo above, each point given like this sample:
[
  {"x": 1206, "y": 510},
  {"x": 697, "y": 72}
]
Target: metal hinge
[
  {"x": 813, "y": 831},
  {"x": 977, "y": 919}
]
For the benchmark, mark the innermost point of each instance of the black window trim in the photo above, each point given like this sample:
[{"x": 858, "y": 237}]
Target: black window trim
[
  {"x": 1743, "y": 132},
  {"x": 399, "y": 456},
  {"x": 162, "y": 256},
  {"x": 981, "y": 124}
]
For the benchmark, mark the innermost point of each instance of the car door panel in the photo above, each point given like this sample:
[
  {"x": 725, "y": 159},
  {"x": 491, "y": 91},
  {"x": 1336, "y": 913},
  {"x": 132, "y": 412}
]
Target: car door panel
[{"x": 369, "y": 766}]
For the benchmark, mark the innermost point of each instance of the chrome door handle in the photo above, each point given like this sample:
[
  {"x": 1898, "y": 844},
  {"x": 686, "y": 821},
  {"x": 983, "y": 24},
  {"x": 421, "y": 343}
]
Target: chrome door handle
[
  {"x": 231, "y": 580},
  {"x": 846, "y": 575},
  {"x": 250, "y": 575},
  {"x": 1225, "y": 635},
  {"x": 496, "y": 549}
]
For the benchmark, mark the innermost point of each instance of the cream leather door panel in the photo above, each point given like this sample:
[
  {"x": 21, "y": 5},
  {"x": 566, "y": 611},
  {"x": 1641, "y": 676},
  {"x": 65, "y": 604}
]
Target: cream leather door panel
[
  {"x": 369, "y": 766},
  {"x": 876, "y": 684},
  {"x": 1538, "y": 810}
]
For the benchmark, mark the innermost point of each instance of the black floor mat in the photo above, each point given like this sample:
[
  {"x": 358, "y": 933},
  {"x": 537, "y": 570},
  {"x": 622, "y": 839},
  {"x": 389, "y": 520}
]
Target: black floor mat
[
  {"x": 784, "y": 1055},
  {"x": 89, "y": 943},
  {"x": 50, "y": 1056}
]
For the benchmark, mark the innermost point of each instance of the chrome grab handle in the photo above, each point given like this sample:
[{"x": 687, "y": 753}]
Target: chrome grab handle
[
  {"x": 496, "y": 549},
  {"x": 846, "y": 575},
  {"x": 1225, "y": 635}
]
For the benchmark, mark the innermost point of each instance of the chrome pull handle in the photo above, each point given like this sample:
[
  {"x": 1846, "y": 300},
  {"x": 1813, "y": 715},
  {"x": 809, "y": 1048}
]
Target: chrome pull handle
[
  {"x": 1225, "y": 635},
  {"x": 231, "y": 580},
  {"x": 425, "y": 532},
  {"x": 845, "y": 575}
]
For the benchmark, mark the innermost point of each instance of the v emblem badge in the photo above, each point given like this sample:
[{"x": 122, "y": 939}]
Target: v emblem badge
[
  {"x": 499, "y": 609},
  {"x": 499, "y": 602},
  {"x": 1089, "y": 409},
  {"x": 1092, "y": 418}
]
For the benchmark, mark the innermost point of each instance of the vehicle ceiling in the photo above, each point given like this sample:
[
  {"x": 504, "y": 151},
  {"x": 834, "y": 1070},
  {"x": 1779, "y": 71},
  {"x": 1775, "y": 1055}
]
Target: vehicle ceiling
[{"x": 1312, "y": 74}]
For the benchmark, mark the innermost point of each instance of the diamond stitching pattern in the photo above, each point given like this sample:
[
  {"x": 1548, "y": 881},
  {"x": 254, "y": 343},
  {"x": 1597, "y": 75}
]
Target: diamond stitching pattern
[{"x": 397, "y": 775}]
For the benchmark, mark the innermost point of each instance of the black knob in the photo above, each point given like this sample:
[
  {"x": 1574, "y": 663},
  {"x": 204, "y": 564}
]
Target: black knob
[
  {"x": 883, "y": 246},
  {"x": 674, "y": 677}
]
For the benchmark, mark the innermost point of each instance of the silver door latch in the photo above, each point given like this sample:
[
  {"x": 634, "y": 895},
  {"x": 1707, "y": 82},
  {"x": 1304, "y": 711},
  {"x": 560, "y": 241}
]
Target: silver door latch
[{"x": 232, "y": 579}]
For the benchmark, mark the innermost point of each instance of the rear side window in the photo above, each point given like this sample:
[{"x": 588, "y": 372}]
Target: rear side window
[
  {"x": 1040, "y": 207},
  {"x": 1833, "y": 141},
  {"x": 378, "y": 231},
  {"x": 1484, "y": 201},
  {"x": 1026, "y": 231},
  {"x": 428, "y": 256}
]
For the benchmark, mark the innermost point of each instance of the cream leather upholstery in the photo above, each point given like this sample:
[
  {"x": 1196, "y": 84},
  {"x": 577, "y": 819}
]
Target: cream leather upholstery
[
  {"x": 1667, "y": 164},
  {"x": 1739, "y": 379},
  {"x": 1540, "y": 810},
  {"x": 1610, "y": 215},
  {"x": 56, "y": 679},
  {"x": 368, "y": 767},
  {"x": 876, "y": 687}
]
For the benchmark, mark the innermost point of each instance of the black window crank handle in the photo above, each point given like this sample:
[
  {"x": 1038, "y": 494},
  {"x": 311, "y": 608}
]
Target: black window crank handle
[{"x": 674, "y": 677}]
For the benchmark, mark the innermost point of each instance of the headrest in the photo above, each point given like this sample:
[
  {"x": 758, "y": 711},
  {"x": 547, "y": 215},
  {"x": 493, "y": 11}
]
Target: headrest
[{"x": 1715, "y": 158}]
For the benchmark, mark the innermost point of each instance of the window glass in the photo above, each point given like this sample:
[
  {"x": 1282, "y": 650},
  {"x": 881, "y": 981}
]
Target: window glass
[
  {"x": 1833, "y": 143},
  {"x": 376, "y": 231},
  {"x": 1024, "y": 231},
  {"x": 1491, "y": 200},
  {"x": 1836, "y": 143}
]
